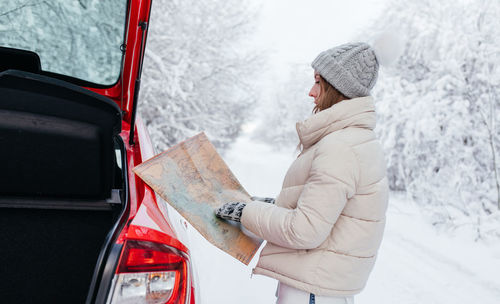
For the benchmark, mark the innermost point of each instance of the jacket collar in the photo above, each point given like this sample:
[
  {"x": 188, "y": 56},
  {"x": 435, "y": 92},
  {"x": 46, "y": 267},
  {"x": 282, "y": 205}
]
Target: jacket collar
[{"x": 356, "y": 112}]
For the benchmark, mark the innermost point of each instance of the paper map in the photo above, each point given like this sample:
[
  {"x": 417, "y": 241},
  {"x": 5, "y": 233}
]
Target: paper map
[{"x": 193, "y": 178}]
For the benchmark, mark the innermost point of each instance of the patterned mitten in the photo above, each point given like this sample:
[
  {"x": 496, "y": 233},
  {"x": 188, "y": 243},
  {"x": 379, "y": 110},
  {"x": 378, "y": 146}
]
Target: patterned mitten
[
  {"x": 230, "y": 211},
  {"x": 269, "y": 200}
]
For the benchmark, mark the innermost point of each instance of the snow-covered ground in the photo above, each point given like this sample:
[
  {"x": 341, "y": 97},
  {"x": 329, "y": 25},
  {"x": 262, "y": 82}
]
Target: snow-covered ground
[{"x": 415, "y": 264}]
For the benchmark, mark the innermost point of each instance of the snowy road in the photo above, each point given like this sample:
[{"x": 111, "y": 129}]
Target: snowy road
[{"x": 415, "y": 263}]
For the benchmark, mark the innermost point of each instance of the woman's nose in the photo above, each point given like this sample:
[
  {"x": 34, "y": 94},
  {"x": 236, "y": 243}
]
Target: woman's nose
[{"x": 311, "y": 93}]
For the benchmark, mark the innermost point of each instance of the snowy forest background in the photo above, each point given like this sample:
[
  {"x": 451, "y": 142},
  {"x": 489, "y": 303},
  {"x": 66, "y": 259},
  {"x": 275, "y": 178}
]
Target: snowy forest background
[{"x": 438, "y": 106}]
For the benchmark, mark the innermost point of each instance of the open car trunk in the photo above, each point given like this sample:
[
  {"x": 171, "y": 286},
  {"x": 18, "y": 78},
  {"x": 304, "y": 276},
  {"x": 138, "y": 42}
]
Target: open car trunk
[
  {"x": 49, "y": 256},
  {"x": 61, "y": 187}
]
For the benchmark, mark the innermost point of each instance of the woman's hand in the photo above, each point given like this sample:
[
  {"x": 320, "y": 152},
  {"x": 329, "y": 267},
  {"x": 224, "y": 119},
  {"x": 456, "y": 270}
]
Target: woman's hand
[
  {"x": 268, "y": 200},
  {"x": 230, "y": 211}
]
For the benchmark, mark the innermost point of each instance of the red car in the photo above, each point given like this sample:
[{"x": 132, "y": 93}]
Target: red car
[{"x": 76, "y": 224}]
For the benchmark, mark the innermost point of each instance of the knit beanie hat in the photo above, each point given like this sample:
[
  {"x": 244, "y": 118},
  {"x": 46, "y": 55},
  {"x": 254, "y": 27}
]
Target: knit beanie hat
[{"x": 352, "y": 68}]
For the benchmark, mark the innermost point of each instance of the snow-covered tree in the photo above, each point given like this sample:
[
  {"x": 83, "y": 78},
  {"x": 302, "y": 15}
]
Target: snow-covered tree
[
  {"x": 198, "y": 70},
  {"x": 285, "y": 104},
  {"x": 438, "y": 109},
  {"x": 76, "y": 38}
]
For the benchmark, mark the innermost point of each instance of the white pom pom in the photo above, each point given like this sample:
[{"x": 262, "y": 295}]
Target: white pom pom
[{"x": 388, "y": 46}]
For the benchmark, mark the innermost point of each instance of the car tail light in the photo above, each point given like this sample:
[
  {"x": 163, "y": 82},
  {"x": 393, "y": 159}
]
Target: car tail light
[{"x": 151, "y": 273}]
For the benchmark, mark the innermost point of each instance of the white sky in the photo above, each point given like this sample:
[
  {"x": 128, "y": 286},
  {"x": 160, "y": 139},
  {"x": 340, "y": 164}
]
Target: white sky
[{"x": 295, "y": 31}]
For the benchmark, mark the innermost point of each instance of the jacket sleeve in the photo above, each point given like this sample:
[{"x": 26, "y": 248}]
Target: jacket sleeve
[{"x": 331, "y": 182}]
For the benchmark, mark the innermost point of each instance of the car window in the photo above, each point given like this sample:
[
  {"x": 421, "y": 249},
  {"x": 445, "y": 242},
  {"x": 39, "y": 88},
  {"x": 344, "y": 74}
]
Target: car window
[{"x": 77, "y": 38}]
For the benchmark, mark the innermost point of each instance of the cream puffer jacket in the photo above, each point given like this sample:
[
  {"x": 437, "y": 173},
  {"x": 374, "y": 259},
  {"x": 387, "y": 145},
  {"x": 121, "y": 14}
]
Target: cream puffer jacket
[{"x": 325, "y": 229}]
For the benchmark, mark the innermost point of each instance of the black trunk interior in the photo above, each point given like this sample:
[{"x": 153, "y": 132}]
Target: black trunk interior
[
  {"x": 58, "y": 170},
  {"x": 49, "y": 256}
]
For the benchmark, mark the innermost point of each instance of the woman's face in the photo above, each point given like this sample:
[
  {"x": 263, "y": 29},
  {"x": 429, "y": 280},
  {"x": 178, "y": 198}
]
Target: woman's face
[{"x": 315, "y": 90}]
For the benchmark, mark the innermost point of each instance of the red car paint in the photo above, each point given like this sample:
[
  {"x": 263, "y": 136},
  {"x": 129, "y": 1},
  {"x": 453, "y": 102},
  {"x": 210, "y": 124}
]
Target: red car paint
[
  {"x": 147, "y": 221},
  {"x": 138, "y": 12}
]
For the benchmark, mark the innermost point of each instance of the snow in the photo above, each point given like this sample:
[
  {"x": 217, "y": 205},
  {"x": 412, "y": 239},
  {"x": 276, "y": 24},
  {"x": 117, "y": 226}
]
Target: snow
[{"x": 415, "y": 263}]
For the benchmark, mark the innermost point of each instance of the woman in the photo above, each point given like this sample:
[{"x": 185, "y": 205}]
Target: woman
[{"x": 325, "y": 228}]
